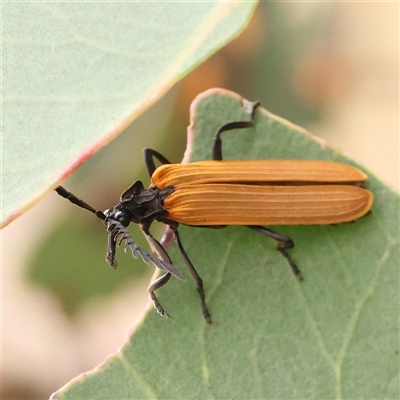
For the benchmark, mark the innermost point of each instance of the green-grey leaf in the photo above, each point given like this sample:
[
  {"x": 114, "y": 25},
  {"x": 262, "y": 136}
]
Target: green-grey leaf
[
  {"x": 334, "y": 335},
  {"x": 76, "y": 74}
]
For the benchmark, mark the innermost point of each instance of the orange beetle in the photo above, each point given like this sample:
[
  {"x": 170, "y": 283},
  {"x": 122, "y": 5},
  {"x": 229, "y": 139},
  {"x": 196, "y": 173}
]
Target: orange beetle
[{"x": 218, "y": 193}]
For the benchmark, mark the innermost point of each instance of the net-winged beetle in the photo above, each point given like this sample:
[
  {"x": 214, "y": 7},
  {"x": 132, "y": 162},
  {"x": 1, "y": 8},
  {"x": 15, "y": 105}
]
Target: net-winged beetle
[{"x": 218, "y": 193}]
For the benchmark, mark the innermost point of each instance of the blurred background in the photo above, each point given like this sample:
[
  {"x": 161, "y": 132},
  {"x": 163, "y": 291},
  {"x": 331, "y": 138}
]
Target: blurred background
[{"x": 331, "y": 67}]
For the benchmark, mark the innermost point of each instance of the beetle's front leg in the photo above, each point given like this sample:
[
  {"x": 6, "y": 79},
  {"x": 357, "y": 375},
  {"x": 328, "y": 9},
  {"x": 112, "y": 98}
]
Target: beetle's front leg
[
  {"x": 161, "y": 253},
  {"x": 217, "y": 146},
  {"x": 149, "y": 155},
  {"x": 111, "y": 246},
  {"x": 157, "y": 284}
]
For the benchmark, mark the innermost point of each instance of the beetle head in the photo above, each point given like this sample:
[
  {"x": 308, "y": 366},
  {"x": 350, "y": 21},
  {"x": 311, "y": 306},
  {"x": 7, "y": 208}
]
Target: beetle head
[{"x": 135, "y": 205}]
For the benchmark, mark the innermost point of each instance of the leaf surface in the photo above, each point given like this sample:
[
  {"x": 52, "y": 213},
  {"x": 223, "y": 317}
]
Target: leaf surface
[{"x": 334, "y": 335}]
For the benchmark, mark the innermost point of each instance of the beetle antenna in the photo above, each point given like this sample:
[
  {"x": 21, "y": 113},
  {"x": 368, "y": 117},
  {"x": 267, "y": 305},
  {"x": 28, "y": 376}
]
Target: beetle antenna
[
  {"x": 78, "y": 202},
  {"x": 120, "y": 234}
]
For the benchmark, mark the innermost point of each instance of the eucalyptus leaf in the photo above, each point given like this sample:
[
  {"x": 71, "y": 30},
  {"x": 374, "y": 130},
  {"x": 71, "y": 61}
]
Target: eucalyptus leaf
[
  {"x": 334, "y": 335},
  {"x": 76, "y": 74}
]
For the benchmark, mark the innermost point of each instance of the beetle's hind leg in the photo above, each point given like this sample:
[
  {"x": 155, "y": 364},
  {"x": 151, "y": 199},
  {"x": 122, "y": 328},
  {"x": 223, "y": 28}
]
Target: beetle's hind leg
[{"x": 284, "y": 243}]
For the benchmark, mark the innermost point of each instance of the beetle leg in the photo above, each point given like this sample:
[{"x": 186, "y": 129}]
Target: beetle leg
[
  {"x": 159, "y": 250},
  {"x": 110, "y": 254},
  {"x": 196, "y": 277},
  {"x": 217, "y": 146},
  {"x": 284, "y": 243},
  {"x": 157, "y": 284},
  {"x": 149, "y": 155}
]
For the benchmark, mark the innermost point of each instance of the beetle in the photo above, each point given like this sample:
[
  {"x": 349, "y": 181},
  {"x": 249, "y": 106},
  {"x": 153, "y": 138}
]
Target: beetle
[{"x": 218, "y": 193}]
